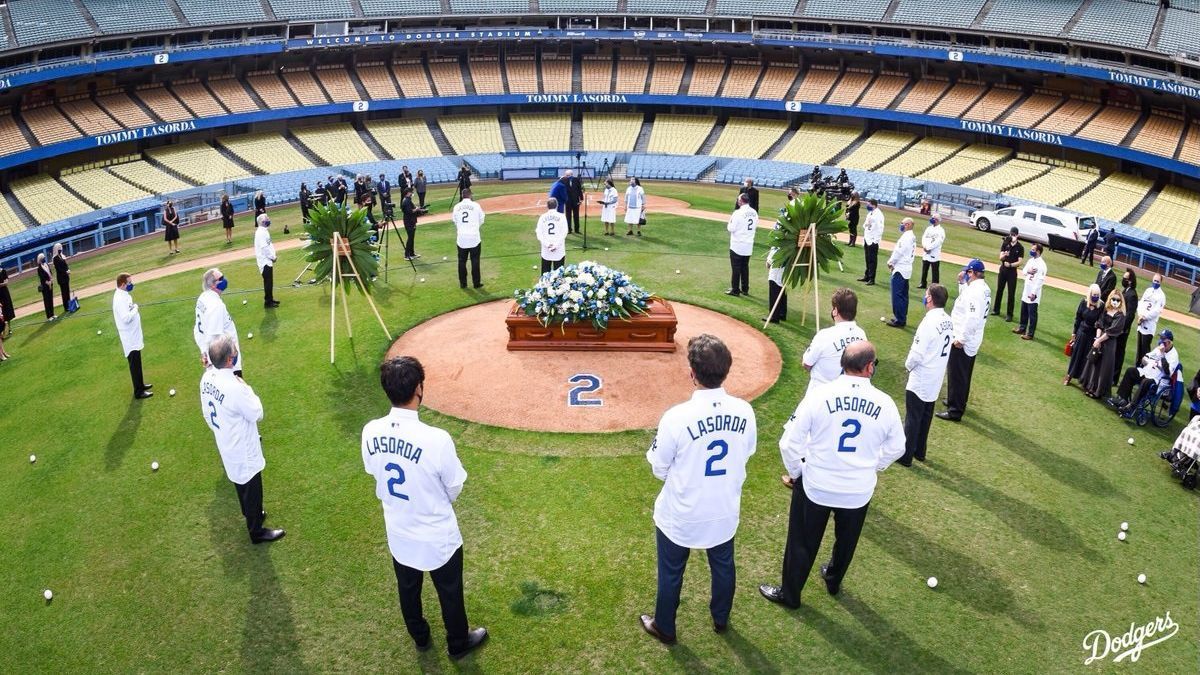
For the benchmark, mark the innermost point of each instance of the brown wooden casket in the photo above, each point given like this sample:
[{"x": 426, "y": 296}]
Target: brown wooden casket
[{"x": 650, "y": 332}]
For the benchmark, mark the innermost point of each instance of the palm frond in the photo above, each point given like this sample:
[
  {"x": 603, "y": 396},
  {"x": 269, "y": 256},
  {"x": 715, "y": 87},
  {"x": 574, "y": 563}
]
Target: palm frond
[
  {"x": 324, "y": 220},
  {"x": 790, "y": 237}
]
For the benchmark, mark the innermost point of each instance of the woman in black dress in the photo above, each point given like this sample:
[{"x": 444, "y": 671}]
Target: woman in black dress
[
  {"x": 852, "y": 207},
  {"x": 260, "y": 205},
  {"x": 419, "y": 187},
  {"x": 227, "y": 218},
  {"x": 1083, "y": 332},
  {"x": 45, "y": 286},
  {"x": 171, "y": 223},
  {"x": 62, "y": 274},
  {"x": 1097, "y": 374},
  {"x": 7, "y": 311}
]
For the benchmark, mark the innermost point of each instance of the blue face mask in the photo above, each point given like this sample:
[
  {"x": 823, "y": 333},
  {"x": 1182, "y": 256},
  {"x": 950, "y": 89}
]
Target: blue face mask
[
  {"x": 1095, "y": 299},
  {"x": 870, "y": 208},
  {"x": 900, "y": 229},
  {"x": 129, "y": 287},
  {"x": 933, "y": 221},
  {"x": 1103, "y": 268},
  {"x": 1155, "y": 284},
  {"x": 223, "y": 284},
  {"x": 1033, "y": 254}
]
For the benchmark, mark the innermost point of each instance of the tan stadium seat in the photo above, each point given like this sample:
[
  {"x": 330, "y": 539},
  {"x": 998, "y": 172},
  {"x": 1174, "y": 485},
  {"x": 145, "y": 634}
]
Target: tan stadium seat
[
  {"x": 198, "y": 162},
  {"x": 1159, "y": 135},
  {"x": 1069, "y": 116},
  {"x": 815, "y": 143},
  {"x": 679, "y": 134},
  {"x": 1007, "y": 175},
  {"x": 748, "y": 138},
  {"x": 923, "y": 95},
  {"x": 596, "y": 74},
  {"x": 472, "y": 134},
  {"x": 404, "y": 137},
  {"x": 88, "y": 116},
  {"x": 667, "y": 76},
  {"x": 922, "y": 156},
  {"x": 706, "y": 77},
  {"x": 485, "y": 74},
  {"x": 740, "y": 80},
  {"x": 101, "y": 188},
  {"x": 195, "y": 96},
  {"x": 1033, "y": 109},
  {"x": 46, "y": 200},
  {"x": 877, "y": 149},
  {"x": 232, "y": 95},
  {"x": 816, "y": 84},
  {"x": 611, "y": 131},
  {"x": 993, "y": 104},
  {"x": 149, "y": 177},
  {"x": 1173, "y": 213},
  {"x": 11, "y": 139},
  {"x": 377, "y": 81},
  {"x": 267, "y": 152},
  {"x": 966, "y": 163},
  {"x": 776, "y": 82},
  {"x": 961, "y": 96},
  {"x": 1112, "y": 125},
  {"x": 632, "y": 75},
  {"x": 270, "y": 89},
  {"x": 410, "y": 75},
  {"x": 884, "y": 90},
  {"x": 447, "y": 77},
  {"x": 337, "y": 144},
  {"x": 163, "y": 103},
  {"x": 123, "y": 109},
  {"x": 556, "y": 75},
  {"x": 48, "y": 125},
  {"x": 304, "y": 86},
  {"x": 541, "y": 132},
  {"x": 338, "y": 84},
  {"x": 522, "y": 74},
  {"x": 850, "y": 87},
  {"x": 1114, "y": 197}
]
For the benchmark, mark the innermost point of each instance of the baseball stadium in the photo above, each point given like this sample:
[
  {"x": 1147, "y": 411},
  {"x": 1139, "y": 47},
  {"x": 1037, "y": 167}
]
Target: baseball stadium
[{"x": 295, "y": 188}]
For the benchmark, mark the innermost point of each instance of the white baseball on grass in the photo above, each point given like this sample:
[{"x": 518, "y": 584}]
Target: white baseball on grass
[
  {"x": 605, "y": 248},
  {"x": 676, "y": 271},
  {"x": 422, "y": 279},
  {"x": 244, "y": 301},
  {"x": 1121, "y": 536},
  {"x": 1141, "y": 579},
  {"x": 250, "y": 336},
  {"x": 1130, "y": 441},
  {"x": 32, "y": 459},
  {"x": 172, "y": 392},
  {"x": 154, "y": 466},
  {"x": 931, "y": 582},
  {"x": 1124, "y": 527},
  {"x": 99, "y": 332},
  {"x": 48, "y": 594},
  {"x": 444, "y": 258}
]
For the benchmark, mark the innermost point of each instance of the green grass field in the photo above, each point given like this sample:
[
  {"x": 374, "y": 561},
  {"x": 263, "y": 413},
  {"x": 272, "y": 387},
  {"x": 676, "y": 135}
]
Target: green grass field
[{"x": 1016, "y": 512}]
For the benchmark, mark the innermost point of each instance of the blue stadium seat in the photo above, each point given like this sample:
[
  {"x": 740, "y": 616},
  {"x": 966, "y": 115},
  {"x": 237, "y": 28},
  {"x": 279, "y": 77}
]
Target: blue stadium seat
[
  {"x": 401, "y": 7},
  {"x": 489, "y": 6},
  {"x": 312, "y": 9},
  {"x": 957, "y": 14},
  {"x": 1180, "y": 31},
  {"x": 223, "y": 12},
  {"x": 578, "y": 7},
  {"x": 666, "y": 6},
  {"x": 1039, "y": 17},
  {"x": 131, "y": 16},
  {"x": 760, "y": 8},
  {"x": 1121, "y": 22},
  {"x": 41, "y": 21},
  {"x": 852, "y": 10}
]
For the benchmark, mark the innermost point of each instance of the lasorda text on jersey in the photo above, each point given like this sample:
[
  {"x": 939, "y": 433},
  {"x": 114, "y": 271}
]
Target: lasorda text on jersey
[{"x": 390, "y": 445}]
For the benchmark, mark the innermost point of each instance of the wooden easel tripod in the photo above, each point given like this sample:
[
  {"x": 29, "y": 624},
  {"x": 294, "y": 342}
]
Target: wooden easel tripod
[
  {"x": 341, "y": 249},
  {"x": 804, "y": 238}
]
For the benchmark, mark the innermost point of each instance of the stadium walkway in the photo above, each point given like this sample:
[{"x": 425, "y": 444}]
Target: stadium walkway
[{"x": 530, "y": 203}]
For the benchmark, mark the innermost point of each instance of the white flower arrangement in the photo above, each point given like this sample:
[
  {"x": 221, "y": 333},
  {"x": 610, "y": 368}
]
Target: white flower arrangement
[{"x": 587, "y": 291}]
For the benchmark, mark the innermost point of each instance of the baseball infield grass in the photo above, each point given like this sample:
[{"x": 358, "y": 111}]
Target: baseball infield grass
[{"x": 1016, "y": 512}]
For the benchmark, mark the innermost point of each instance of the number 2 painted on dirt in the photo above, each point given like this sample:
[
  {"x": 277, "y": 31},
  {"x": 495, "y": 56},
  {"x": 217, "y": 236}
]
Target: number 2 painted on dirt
[{"x": 584, "y": 384}]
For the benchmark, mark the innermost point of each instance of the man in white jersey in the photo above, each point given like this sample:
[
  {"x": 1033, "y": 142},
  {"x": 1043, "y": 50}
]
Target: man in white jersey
[
  {"x": 1149, "y": 308},
  {"x": 900, "y": 265},
  {"x": 700, "y": 452},
  {"x": 468, "y": 218},
  {"x": 264, "y": 256},
  {"x": 741, "y": 226},
  {"x": 212, "y": 318},
  {"x": 969, "y": 316},
  {"x": 823, "y": 358},
  {"x": 233, "y": 411},
  {"x": 931, "y": 245},
  {"x": 840, "y": 436},
  {"x": 417, "y": 478},
  {"x": 926, "y": 366},
  {"x": 552, "y": 235},
  {"x": 129, "y": 328},
  {"x": 872, "y": 235},
  {"x": 1034, "y": 274}
]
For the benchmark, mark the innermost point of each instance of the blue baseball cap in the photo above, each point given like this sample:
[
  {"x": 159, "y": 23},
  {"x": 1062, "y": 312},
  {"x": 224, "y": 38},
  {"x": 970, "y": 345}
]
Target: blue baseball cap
[
  {"x": 976, "y": 265},
  {"x": 1167, "y": 334}
]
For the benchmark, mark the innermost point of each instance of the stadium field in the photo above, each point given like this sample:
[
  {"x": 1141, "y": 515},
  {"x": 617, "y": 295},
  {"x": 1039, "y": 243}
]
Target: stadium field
[{"x": 1016, "y": 511}]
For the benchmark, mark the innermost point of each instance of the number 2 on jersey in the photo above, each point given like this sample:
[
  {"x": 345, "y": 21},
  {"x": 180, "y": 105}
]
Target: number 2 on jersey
[
  {"x": 946, "y": 346},
  {"x": 393, "y": 483},
  {"x": 855, "y": 429},
  {"x": 708, "y": 466},
  {"x": 212, "y": 415}
]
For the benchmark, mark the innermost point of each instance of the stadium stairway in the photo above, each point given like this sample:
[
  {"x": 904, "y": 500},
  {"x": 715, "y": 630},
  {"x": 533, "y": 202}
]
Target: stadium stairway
[
  {"x": 643, "y": 138},
  {"x": 1143, "y": 118},
  {"x": 912, "y": 82},
  {"x": 26, "y": 219},
  {"x": 356, "y": 7},
  {"x": 1140, "y": 210},
  {"x": 685, "y": 82},
  {"x": 708, "y": 144},
  {"x": 77, "y": 195},
  {"x": 1083, "y": 7},
  {"x": 1158, "y": 27},
  {"x": 245, "y": 164},
  {"x": 87, "y": 16},
  {"x": 302, "y": 149},
  {"x": 179, "y": 15},
  {"x": 270, "y": 13},
  {"x": 439, "y": 137},
  {"x": 778, "y": 145},
  {"x": 468, "y": 81},
  {"x": 983, "y": 13},
  {"x": 709, "y": 175},
  {"x": 374, "y": 145},
  {"x": 890, "y": 11},
  {"x": 576, "y": 136},
  {"x": 849, "y": 149},
  {"x": 509, "y": 138}
]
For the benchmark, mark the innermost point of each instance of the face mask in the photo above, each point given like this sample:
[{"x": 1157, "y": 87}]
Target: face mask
[
  {"x": 1155, "y": 284},
  {"x": 129, "y": 287},
  {"x": 1103, "y": 268},
  {"x": 223, "y": 284},
  {"x": 1033, "y": 254},
  {"x": 1095, "y": 298},
  {"x": 900, "y": 229},
  {"x": 870, "y": 208},
  {"x": 1116, "y": 302},
  {"x": 1125, "y": 283},
  {"x": 933, "y": 221}
]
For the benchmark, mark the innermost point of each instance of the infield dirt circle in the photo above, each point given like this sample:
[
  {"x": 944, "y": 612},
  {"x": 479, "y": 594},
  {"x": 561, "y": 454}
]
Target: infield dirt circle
[{"x": 470, "y": 374}]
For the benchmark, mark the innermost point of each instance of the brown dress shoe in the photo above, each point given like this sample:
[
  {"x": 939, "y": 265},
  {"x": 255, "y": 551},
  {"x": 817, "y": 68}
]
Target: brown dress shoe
[{"x": 650, "y": 627}]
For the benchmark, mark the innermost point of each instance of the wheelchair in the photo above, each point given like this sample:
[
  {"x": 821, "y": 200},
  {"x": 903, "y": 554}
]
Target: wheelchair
[{"x": 1160, "y": 403}]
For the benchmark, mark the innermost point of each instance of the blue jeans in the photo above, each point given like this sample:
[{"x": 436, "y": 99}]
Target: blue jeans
[
  {"x": 672, "y": 561},
  {"x": 900, "y": 298}
]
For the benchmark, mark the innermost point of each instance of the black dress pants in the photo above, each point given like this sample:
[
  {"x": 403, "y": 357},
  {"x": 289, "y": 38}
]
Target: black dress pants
[
  {"x": 551, "y": 265},
  {"x": 473, "y": 254},
  {"x": 47, "y": 300},
  {"x": 250, "y": 496},
  {"x": 1143, "y": 347},
  {"x": 1007, "y": 278},
  {"x": 926, "y": 266},
  {"x": 410, "y": 231},
  {"x": 739, "y": 277},
  {"x": 572, "y": 213},
  {"x": 807, "y": 521},
  {"x": 135, "y": 371},
  {"x": 918, "y": 415},
  {"x": 1122, "y": 345},
  {"x": 871, "y": 254},
  {"x": 774, "y": 292},
  {"x": 958, "y": 378},
  {"x": 448, "y": 582},
  {"x": 268, "y": 277},
  {"x": 1132, "y": 378}
]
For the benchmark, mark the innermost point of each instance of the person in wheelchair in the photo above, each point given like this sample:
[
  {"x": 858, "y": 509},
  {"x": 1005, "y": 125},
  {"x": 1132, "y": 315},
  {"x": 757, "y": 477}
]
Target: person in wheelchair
[
  {"x": 1157, "y": 368},
  {"x": 1184, "y": 455}
]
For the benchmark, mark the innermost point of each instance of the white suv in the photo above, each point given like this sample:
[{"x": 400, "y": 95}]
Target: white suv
[{"x": 1036, "y": 223}]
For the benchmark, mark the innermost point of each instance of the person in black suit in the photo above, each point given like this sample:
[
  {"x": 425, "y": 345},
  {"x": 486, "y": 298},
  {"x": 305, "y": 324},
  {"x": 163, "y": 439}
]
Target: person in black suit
[
  {"x": 227, "y": 218},
  {"x": 305, "y": 201},
  {"x": 410, "y": 212},
  {"x": 360, "y": 190},
  {"x": 45, "y": 285},
  {"x": 464, "y": 178},
  {"x": 1011, "y": 253},
  {"x": 751, "y": 193},
  {"x": 1106, "y": 279},
  {"x": 404, "y": 180},
  {"x": 1130, "y": 294},
  {"x": 62, "y": 275},
  {"x": 340, "y": 193},
  {"x": 574, "y": 199},
  {"x": 1088, "y": 254},
  {"x": 384, "y": 188}
]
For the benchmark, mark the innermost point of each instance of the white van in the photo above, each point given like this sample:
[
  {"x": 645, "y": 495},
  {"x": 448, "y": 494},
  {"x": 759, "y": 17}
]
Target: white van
[{"x": 1036, "y": 223}]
